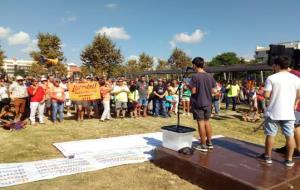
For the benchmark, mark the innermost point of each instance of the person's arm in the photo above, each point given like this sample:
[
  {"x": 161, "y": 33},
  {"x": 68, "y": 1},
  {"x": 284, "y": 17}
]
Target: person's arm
[
  {"x": 192, "y": 85},
  {"x": 116, "y": 91},
  {"x": 155, "y": 93},
  {"x": 32, "y": 90},
  {"x": 126, "y": 89},
  {"x": 297, "y": 99},
  {"x": 268, "y": 89}
]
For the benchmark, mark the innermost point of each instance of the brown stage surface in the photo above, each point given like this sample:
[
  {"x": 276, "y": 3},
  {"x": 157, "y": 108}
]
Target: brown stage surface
[{"x": 231, "y": 165}]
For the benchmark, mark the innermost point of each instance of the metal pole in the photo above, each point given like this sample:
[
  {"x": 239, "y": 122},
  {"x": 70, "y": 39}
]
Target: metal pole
[{"x": 262, "y": 77}]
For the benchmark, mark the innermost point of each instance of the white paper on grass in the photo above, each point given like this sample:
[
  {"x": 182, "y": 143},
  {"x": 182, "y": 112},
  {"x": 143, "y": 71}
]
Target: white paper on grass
[
  {"x": 90, "y": 155},
  {"x": 77, "y": 148},
  {"x": 138, "y": 150}
]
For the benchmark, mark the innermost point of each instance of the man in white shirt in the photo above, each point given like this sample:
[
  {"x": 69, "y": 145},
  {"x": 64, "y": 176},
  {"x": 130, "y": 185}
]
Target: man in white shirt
[
  {"x": 282, "y": 89},
  {"x": 19, "y": 95}
]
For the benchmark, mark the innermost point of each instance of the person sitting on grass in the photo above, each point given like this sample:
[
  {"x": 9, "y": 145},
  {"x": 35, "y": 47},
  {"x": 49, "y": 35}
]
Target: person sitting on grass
[
  {"x": 7, "y": 117},
  {"x": 252, "y": 115}
]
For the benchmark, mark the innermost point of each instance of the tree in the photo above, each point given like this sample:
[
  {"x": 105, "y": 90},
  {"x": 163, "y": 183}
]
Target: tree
[
  {"x": 180, "y": 59},
  {"x": 60, "y": 70},
  {"x": 228, "y": 58},
  {"x": 20, "y": 72},
  {"x": 162, "y": 65},
  {"x": 84, "y": 70},
  {"x": 37, "y": 69},
  {"x": 2, "y": 57},
  {"x": 132, "y": 66},
  {"x": 102, "y": 55},
  {"x": 145, "y": 62},
  {"x": 50, "y": 46}
]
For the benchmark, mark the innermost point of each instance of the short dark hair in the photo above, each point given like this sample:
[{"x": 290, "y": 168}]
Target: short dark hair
[
  {"x": 198, "y": 62},
  {"x": 283, "y": 62}
]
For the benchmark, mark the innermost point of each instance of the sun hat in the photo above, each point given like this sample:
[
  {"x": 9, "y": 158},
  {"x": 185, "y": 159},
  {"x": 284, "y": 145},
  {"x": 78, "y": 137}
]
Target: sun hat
[{"x": 19, "y": 78}]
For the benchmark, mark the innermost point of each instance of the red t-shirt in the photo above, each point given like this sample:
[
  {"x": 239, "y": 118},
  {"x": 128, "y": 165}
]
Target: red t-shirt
[{"x": 38, "y": 96}]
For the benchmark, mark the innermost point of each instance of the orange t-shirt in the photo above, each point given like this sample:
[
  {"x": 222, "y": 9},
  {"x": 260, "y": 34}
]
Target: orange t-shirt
[
  {"x": 105, "y": 93},
  {"x": 57, "y": 93}
]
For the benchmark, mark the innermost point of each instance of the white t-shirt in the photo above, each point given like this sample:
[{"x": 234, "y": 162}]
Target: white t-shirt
[
  {"x": 283, "y": 87},
  {"x": 3, "y": 92}
]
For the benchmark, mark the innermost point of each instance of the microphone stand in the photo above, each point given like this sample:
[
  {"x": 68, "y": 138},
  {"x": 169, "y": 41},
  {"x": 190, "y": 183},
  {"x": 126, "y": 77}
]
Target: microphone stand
[{"x": 184, "y": 74}]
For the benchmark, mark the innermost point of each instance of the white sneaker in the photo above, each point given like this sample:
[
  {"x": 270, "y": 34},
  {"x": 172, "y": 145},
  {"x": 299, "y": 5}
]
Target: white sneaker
[
  {"x": 183, "y": 114},
  {"x": 69, "y": 114}
]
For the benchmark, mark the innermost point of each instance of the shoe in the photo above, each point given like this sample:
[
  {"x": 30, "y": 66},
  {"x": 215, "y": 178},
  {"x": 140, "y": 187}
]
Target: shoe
[
  {"x": 265, "y": 158},
  {"x": 210, "y": 145},
  {"x": 289, "y": 163},
  {"x": 201, "y": 147},
  {"x": 69, "y": 114},
  {"x": 296, "y": 154},
  {"x": 281, "y": 150},
  {"x": 183, "y": 114}
]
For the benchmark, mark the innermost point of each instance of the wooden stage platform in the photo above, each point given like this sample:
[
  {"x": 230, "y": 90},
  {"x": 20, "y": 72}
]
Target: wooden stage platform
[{"x": 231, "y": 165}]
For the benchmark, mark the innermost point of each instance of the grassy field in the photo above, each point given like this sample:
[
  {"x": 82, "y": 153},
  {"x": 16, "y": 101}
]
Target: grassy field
[{"x": 35, "y": 143}]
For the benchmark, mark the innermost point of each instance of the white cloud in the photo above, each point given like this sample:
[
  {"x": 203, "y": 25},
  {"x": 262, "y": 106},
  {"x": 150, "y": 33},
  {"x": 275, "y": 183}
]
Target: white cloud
[
  {"x": 69, "y": 19},
  {"x": 63, "y": 45},
  {"x": 111, "y": 5},
  {"x": 4, "y": 32},
  {"x": 32, "y": 46},
  {"x": 155, "y": 62},
  {"x": 114, "y": 33},
  {"x": 195, "y": 37},
  {"x": 19, "y": 39},
  {"x": 132, "y": 57}
]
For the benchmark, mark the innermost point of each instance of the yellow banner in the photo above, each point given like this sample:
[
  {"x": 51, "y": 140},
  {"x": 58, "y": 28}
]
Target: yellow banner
[{"x": 84, "y": 91}]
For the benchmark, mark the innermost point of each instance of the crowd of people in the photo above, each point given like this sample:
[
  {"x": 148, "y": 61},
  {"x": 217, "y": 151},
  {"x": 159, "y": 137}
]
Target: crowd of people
[
  {"x": 34, "y": 98},
  {"x": 28, "y": 100}
]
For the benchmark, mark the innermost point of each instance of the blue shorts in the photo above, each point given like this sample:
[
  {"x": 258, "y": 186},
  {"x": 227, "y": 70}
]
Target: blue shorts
[
  {"x": 143, "y": 102},
  {"x": 271, "y": 127}
]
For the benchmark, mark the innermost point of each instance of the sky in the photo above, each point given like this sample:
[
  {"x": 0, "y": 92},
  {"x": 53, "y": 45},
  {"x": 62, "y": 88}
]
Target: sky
[{"x": 198, "y": 27}]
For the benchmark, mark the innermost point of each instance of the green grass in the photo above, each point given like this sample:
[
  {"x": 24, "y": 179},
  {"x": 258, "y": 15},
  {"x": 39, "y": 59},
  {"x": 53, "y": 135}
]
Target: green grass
[{"x": 35, "y": 143}]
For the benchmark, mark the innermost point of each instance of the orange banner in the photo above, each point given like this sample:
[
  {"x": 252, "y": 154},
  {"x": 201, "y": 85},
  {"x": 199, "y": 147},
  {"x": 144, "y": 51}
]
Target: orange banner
[{"x": 84, "y": 91}]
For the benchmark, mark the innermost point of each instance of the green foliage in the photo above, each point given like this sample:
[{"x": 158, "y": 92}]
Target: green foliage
[
  {"x": 162, "y": 65},
  {"x": 59, "y": 70},
  {"x": 50, "y": 46},
  {"x": 145, "y": 62},
  {"x": 102, "y": 55},
  {"x": 2, "y": 56},
  {"x": 85, "y": 70},
  {"x": 20, "y": 72},
  {"x": 36, "y": 70},
  {"x": 181, "y": 59},
  {"x": 228, "y": 58},
  {"x": 132, "y": 66}
]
